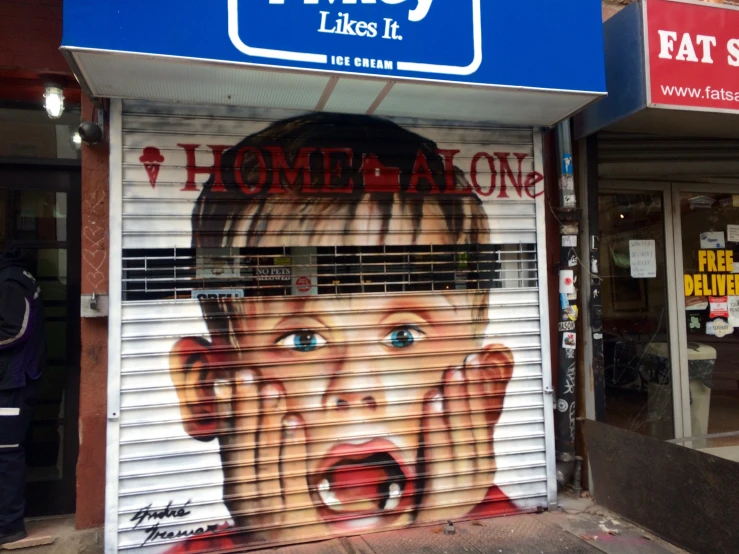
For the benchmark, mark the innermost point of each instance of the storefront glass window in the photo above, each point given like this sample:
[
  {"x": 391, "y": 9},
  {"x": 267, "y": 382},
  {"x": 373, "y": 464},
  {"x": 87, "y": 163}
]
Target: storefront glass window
[
  {"x": 40, "y": 215},
  {"x": 710, "y": 248},
  {"x": 31, "y": 134},
  {"x": 638, "y": 372}
]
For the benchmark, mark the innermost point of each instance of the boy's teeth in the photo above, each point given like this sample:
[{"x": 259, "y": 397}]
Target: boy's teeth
[
  {"x": 327, "y": 495},
  {"x": 393, "y": 500},
  {"x": 392, "y": 503},
  {"x": 394, "y": 490}
]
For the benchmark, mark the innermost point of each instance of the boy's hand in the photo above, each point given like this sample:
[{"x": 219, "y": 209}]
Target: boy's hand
[
  {"x": 267, "y": 478},
  {"x": 458, "y": 421}
]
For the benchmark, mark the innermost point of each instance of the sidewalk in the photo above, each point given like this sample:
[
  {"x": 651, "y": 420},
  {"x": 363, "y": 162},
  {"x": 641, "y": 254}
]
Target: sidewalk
[{"x": 578, "y": 527}]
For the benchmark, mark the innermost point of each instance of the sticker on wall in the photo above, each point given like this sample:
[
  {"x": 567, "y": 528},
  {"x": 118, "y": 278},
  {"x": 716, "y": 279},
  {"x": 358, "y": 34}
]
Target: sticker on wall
[
  {"x": 563, "y": 301},
  {"x": 643, "y": 259},
  {"x": 569, "y": 240},
  {"x": 719, "y": 328},
  {"x": 565, "y": 326},
  {"x": 732, "y": 233},
  {"x": 572, "y": 312},
  {"x": 569, "y": 341},
  {"x": 694, "y": 322},
  {"x": 569, "y": 228},
  {"x": 567, "y": 282},
  {"x": 713, "y": 239},
  {"x": 696, "y": 303},
  {"x": 562, "y": 405},
  {"x": 733, "y": 302},
  {"x": 719, "y": 306},
  {"x": 572, "y": 262}
]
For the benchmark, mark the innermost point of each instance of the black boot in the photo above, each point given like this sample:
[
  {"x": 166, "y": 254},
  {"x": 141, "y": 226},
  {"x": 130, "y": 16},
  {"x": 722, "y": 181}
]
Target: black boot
[{"x": 6, "y": 537}]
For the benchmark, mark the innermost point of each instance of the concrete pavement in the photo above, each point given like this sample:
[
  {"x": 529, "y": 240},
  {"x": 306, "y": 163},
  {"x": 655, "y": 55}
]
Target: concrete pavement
[{"x": 578, "y": 527}]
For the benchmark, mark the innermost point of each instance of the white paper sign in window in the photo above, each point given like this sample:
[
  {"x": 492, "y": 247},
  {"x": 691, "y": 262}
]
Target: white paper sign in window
[{"x": 643, "y": 258}]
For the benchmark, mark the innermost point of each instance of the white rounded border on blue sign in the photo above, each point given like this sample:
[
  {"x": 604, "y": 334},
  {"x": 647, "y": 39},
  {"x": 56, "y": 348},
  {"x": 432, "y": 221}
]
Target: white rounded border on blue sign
[{"x": 306, "y": 57}]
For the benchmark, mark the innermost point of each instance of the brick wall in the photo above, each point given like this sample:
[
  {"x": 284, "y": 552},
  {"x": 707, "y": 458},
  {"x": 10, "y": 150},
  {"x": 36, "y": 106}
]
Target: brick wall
[
  {"x": 93, "y": 335},
  {"x": 30, "y": 35}
]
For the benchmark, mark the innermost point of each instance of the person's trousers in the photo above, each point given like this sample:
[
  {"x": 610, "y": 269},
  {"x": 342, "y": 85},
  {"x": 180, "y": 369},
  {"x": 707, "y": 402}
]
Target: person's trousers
[{"x": 15, "y": 418}]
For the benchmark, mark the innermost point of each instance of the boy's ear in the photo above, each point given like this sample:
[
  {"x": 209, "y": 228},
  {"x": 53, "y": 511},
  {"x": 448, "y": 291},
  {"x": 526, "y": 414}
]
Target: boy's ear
[
  {"x": 495, "y": 363},
  {"x": 192, "y": 371},
  {"x": 496, "y": 360}
]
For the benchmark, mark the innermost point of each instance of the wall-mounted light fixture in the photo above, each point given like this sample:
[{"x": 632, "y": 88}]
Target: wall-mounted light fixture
[
  {"x": 90, "y": 133},
  {"x": 76, "y": 139},
  {"x": 54, "y": 100}
]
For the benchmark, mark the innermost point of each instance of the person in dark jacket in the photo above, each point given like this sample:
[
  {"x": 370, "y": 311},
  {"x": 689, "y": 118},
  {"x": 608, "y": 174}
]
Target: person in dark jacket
[{"x": 22, "y": 361}]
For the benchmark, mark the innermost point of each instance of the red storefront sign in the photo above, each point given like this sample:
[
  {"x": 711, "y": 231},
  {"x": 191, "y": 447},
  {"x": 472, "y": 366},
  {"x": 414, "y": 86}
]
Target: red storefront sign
[{"x": 692, "y": 55}]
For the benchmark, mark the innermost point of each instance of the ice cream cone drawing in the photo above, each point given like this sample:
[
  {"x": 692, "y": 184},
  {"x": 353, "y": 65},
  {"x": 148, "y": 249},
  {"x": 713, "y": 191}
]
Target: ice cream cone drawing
[{"x": 152, "y": 159}]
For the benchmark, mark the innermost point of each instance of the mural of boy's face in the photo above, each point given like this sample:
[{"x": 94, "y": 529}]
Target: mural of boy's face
[{"x": 341, "y": 413}]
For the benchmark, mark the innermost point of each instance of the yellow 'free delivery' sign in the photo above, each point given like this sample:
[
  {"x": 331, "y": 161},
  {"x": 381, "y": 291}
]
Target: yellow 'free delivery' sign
[{"x": 715, "y": 275}]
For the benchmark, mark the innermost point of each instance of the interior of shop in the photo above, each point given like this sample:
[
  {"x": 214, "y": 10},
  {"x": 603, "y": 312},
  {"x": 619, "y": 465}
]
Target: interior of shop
[{"x": 635, "y": 318}]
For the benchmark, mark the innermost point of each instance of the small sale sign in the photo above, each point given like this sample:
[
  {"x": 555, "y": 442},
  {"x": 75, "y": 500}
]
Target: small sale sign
[{"x": 693, "y": 55}]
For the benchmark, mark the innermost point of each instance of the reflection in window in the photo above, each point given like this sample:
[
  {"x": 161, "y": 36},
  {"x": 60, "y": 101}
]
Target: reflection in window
[
  {"x": 40, "y": 215},
  {"x": 635, "y": 317}
]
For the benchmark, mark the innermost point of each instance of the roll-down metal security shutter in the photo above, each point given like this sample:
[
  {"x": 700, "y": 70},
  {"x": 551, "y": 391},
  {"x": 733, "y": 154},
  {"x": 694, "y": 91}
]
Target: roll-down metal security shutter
[
  {"x": 328, "y": 325},
  {"x": 654, "y": 158}
]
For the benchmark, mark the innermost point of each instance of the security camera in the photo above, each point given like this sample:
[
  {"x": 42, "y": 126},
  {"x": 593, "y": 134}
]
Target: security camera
[{"x": 90, "y": 132}]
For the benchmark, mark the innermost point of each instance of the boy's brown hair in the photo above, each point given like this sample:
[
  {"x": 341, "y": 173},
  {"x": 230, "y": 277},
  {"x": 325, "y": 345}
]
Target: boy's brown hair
[{"x": 248, "y": 174}]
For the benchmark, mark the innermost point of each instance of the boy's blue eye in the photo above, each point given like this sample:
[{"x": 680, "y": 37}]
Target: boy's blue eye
[
  {"x": 302, "y": 341},
  {"x": 403, "y": 337}
]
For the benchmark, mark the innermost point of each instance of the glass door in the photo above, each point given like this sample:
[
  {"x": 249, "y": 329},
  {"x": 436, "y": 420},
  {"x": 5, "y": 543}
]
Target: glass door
[
  {"x": 707, "y": 255},
  {"x": 40, "y": 212},
  {"x": 638, "y": 329}
]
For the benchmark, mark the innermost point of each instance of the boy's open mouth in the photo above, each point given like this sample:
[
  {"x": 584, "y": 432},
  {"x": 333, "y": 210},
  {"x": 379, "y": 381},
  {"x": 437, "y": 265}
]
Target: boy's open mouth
[{"x": 357, "y": 483}]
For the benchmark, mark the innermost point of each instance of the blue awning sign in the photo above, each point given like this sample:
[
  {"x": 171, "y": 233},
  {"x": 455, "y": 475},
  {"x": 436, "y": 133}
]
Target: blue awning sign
[
  {"x": 327, "y": 21},
  {"x": 138, "y": 47}
]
